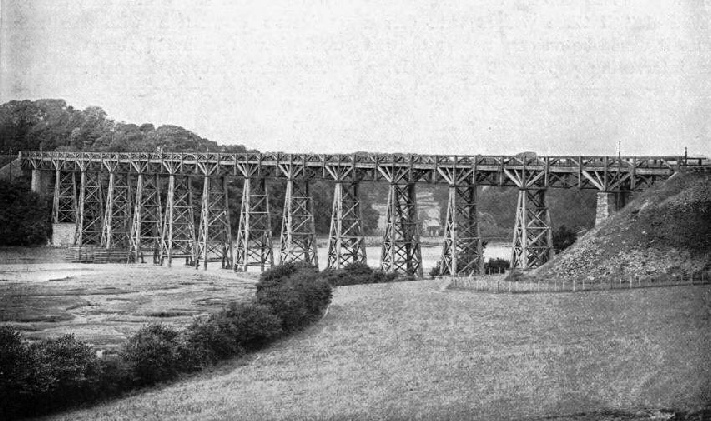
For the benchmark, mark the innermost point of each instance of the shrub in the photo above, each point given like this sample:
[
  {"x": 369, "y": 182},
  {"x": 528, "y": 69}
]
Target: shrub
[
  {"x": 435, "y": 270},
  {"x": 66, "y": 370},
  {"x": 297, "y": 297},
  {"x": 206, "y": 341},
  {"x": 563, "y": 238},
  {"x": 277, "y": 274},
  {"x": 357, "y": 274},
  {"x": 46, "y": 375},
  {"x": 227, "y": 334},
  {"x": 494, "y": 266},
  {"x": 16, "y": 368},
  {"x": 153, "y": 354},
  {"x": 25, "y": 217},
  {"x": 254, "y": 324},
  {"x": 357, "y": 269}
]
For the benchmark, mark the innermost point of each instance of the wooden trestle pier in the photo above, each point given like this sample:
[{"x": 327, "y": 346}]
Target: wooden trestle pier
[{"x": 116, "y": 202}]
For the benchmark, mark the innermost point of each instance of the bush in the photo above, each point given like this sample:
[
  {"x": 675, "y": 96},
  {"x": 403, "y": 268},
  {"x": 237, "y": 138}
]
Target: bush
[
  {"x": 297, "y": 296},
  {"x": 16, "y": 368},
  {"x": 495, "y": 266},
  {"x": 435, "y": 270},
  {"x": 25, "y": 216},
  {"x": 153, "y": 354},
  {"x": 66, "y": 370},
  {"x": 46, "y": 375},
  {"x": 357, "y": 274},
  {"x": 277, "y": 274},
  {"x": 563, "y": 238},
  {"x": 254, "y": 324},
  {"x": 55, "y": 373},
  {"x": 228, "y": 334}
]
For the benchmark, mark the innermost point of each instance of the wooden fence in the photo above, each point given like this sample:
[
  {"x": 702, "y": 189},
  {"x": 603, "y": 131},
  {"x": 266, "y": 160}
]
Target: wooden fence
[{"x": 500, "y": 284}]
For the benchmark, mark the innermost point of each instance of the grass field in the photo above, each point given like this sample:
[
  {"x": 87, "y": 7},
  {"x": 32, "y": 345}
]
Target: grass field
[{"x": 415, "y": 350}]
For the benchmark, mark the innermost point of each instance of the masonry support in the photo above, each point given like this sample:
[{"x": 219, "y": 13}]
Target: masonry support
[
  {"x": 178, "y": 236},
  {"x": 298, "y": 230},
  {"x": 533, "y": 239},
  {"x": 608, "y": 203},
  {"x": 64, "y": 205},
  {"x": 254, "y": 237},
  {"x": 39, "y": 181},
  {"x": 401, "y": 242},
  {"x": 462, "y": 251},
  {"x": 346, "y": 243},
  {"x": 215, "y": 233},
  {"x": 116, "y": 233},
  {"x": 147, "y": 218},
  {"x": 91, "y": 202}
]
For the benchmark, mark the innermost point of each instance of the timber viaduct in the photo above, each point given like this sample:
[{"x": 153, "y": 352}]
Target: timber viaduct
[{"x": 143, "y": 202}]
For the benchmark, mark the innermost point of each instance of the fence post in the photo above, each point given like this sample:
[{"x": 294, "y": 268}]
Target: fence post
[
  {"x": 574, "y": 284},
  {"x": 630, "y": 281}
]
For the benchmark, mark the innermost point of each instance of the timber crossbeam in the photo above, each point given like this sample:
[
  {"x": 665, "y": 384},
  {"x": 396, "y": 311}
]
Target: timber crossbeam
[{"x": 585, "y": 172}]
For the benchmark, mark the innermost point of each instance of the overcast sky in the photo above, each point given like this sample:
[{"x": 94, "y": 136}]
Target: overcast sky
[{"x": 449, "y": 77}]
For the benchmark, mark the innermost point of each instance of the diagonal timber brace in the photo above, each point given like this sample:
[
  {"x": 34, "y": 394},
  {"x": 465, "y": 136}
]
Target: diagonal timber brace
[
  {"x": 91, "y": 209},
  {"x": 147, "y": 219},
  {"x": 461, "y": 250},
  {"x": 215, "y": 234},
  {"x": 254, "y": 237},
  {"x": 298, "y": 231},
  {"x": 532, "y": 240},
  {"x": 401, "y": 242},
  {"x": 346, "y": 243},
  {"x": 116, "y": 233},
  {"x": 64, "y": 206},
  {"x": 178, "y": 236}
]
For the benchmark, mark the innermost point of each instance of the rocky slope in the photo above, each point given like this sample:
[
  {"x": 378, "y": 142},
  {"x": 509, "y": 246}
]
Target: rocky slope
[{"x": 665, "y": 230}]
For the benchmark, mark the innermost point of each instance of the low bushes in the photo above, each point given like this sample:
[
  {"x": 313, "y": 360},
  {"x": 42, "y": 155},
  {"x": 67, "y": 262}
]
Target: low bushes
[
  {"x": 25, "y": 216},
  {"x": 51, "y": 374},
  {"x": 152, "y": 354},
  {"x": 357, "y": 274},
  {"x": 297, "y": 294},
  {"x": 44, "y": 375},
  {"x": 496, "y": 266}
]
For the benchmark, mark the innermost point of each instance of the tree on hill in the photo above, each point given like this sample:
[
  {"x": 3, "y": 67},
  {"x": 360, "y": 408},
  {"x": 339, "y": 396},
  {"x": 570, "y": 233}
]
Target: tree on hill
[{"x": 50, "y": 124}]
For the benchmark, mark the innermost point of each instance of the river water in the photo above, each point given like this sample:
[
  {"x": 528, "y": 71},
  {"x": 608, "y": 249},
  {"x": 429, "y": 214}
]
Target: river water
[{"x": 430, "y": 254}]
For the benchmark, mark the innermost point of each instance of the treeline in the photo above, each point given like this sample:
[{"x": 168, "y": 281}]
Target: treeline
[
  {"x": 51, "y": 124},
  {"x": 570, "y": 208}
]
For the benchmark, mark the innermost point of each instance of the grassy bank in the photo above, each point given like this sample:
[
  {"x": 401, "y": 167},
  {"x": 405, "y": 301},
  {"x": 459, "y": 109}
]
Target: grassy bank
[{"x": 416, "y": 351}]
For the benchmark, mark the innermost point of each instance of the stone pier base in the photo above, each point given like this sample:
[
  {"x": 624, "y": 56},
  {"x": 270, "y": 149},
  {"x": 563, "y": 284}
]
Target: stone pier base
[
  {"x": 608, "y": 203},
  {"x": 41, "y": 182},
  {"x": 63, "y": 234}
]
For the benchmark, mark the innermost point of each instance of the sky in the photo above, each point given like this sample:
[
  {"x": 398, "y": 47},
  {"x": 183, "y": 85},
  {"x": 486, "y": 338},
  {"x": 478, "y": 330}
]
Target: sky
[{"x": 556, "y": 77}]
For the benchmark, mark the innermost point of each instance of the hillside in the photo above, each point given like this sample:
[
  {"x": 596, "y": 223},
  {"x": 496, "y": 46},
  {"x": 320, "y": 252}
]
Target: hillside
[
  {"x": 52, "y": 124},
  {"x": 409, "y": 351},
  {"x": 664, "y": 230}
]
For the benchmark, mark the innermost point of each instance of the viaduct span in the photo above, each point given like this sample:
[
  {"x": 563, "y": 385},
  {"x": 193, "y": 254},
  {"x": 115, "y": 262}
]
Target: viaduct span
[{"x": 143, "y": 202}]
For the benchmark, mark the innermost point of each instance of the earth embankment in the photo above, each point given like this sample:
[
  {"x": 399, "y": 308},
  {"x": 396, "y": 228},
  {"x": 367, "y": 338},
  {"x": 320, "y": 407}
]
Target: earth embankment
[{"x": 666, "y": 230}]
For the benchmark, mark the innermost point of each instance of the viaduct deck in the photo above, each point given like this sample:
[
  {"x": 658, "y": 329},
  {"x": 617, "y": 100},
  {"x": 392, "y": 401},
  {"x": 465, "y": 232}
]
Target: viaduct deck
[
  {"x": 606, "y": 173},
  {"x": 143, "y": 202}
]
